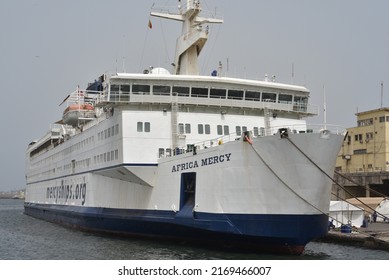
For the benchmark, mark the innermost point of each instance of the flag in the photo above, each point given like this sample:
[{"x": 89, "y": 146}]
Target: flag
[{"x": 150, "y": 24}]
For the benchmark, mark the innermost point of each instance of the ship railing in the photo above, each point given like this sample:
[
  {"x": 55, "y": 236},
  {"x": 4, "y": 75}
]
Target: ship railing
[
  {"x": 81, "y": 96},
  {"x": 147, "y": 98},
  {"x": 310, "y": 128},
  {"x": 294, "y": 129},
  {"x": 182, "y": 8}
]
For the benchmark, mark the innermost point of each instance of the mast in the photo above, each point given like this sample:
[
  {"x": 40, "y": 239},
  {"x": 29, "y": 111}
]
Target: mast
[{"x": 193, "y": 37}]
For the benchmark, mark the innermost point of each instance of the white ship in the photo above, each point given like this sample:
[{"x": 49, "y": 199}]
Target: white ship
[{"x": 208, "y": 159}]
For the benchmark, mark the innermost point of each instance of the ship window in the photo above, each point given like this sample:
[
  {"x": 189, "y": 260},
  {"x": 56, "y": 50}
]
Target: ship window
[
  {"x": 114, "y": 94},
  {"x": 168, "y": 152},
  {"x": 200, "y": 129},
  {"x": 262, "y": 131},
  {"x": 255, "y": 130},
  {"x": 124, "y": 92},
  {"x": 161, "y": 152},
  {"x": 244, "y": 128},
  {"x": 285, "y": 98},
  {"x": 147, "y": 127},
  {"x": 253, "y": 95},
  {"x": 139, "y": 127},
  {"x": 199, "y": 92},
  {"x": 300, "y": 103},
  {"x": 238, "y": 130},
  {"x": 161, "y": 90},
  {"x": 115, "y": 89},
  {"x": 226, "y": 130},
  {"x": 217, "y": 93},
  {"x": 269, "y": 97},
  {"x": 187, "y": 128},
  {"x": 181, "y": 128},
  {"x": 219, "y": 130},
  {"x": 235, "y": 94},
  {"x": 125, "y": 88},
  {"x": 207, "y": 129},
  {"x": 141, "y": 89},
  {"x": 181, "y": 91}
]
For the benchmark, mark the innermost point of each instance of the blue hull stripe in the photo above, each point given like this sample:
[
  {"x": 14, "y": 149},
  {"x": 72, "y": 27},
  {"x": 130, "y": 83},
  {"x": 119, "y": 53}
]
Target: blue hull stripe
[{"x": 265, "y": 233}]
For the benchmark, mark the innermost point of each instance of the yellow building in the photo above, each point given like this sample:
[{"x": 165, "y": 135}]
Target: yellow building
[{"x": 364, "y": 155}]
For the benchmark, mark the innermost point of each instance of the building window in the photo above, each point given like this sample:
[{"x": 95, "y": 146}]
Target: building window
[
  {"x": 365, "y": 122},
  {"x": 358, "y": 137},
  {"x": 382, "y": 119},
  {"x": 369, "y": 136},
  {"x": 360, "y": 151}
]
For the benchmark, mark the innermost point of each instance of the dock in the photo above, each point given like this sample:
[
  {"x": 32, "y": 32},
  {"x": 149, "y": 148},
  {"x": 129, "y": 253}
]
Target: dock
[{"x": 375, "y": 236}]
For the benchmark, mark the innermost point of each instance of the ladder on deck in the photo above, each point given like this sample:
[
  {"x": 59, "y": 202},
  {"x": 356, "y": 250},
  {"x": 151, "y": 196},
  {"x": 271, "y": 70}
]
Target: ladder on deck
[{"x": 267, "y": 114}]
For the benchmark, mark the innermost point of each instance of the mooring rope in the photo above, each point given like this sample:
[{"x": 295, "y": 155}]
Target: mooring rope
[{"x": 316, "y": 165}]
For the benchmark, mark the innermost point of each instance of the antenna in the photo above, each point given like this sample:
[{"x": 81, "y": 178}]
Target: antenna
[
  {"x": 382, "y": 93},
  {"x": 124, "y": 57},
  {"x": 324, "y": 107}
]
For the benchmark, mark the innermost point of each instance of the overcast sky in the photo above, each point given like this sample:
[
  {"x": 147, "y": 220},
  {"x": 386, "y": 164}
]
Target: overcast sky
[{"x": 49, "y": 47}]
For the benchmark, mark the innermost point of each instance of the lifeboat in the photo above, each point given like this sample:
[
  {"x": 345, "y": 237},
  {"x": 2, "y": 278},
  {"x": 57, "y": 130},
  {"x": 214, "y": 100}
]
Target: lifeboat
[{"x": 76, "y": 114}]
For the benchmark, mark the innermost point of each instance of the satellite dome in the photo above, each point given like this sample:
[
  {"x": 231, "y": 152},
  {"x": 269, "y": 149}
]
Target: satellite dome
[{"x": 159, "y": 71}]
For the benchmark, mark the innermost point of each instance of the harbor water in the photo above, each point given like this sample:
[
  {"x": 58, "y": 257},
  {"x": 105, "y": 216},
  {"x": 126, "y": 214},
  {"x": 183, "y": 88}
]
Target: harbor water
[{"x": 26, "y": 238}]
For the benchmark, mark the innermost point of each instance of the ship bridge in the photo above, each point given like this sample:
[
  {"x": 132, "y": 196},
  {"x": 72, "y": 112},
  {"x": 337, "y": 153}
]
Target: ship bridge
[{"x": 209, "y": 91}]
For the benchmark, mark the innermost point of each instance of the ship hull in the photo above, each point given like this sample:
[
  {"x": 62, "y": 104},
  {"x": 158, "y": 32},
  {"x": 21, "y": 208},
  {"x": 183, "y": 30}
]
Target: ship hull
[
  {"x": 268, "y": 195},
  {"x": 286, "y": 234}
]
